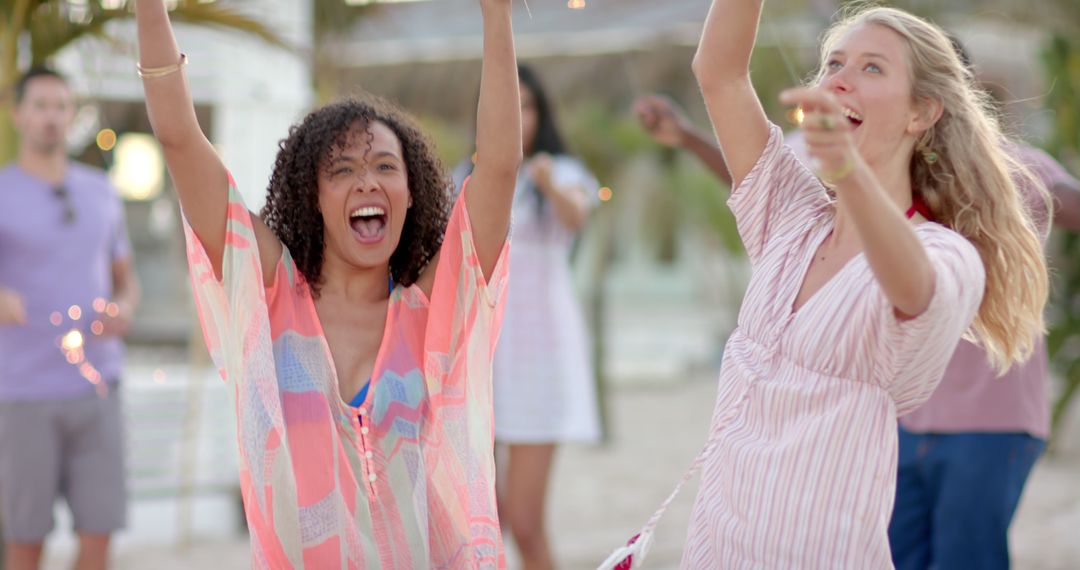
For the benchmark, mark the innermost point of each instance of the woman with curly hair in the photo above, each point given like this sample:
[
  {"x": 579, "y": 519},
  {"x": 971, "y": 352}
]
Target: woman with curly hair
[
  {"x": 355, "y": 321},
  {"x": 865, "y": 276}
]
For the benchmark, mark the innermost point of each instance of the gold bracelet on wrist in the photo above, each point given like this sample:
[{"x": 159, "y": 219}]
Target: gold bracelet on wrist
[
  {"x": 832, "y": 178},
  {"x": 155, "y": 72}
]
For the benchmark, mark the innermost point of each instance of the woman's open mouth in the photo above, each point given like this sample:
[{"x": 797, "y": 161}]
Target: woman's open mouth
[
  {"x": 855, "y": 118},
  {"x": 368, "y": 223}
]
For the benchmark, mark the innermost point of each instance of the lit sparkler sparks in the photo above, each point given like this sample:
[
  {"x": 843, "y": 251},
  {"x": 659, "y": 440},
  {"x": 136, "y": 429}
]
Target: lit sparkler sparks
[
  {"x": 796, "y": 115},
  {"x": 73, "y": 343}
]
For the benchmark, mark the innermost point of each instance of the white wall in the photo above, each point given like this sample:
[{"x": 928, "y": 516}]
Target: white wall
[{"x": 256, "y": 90}]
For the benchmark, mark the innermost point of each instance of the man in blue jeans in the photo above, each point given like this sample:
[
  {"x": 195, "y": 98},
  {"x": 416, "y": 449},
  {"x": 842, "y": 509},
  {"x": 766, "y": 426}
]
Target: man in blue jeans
[
  {"x": 966, "y": 454},
  {"x": 67, "y": 292}
]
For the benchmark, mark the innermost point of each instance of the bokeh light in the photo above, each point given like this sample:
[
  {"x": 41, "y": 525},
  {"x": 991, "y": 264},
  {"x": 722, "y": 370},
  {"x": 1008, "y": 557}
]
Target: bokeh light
[
  {"x": 139, "y": 167},
  {"x": 106, "y": 139},
  {"x": 796, "y": 115},
  {"x": 72, "y": 341}
]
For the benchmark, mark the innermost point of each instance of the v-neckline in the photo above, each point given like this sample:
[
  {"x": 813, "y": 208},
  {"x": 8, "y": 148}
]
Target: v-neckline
[
  {"x": 808, "y": 260},
  {"x": 804, "y": 270},
  {"x": 376, "y": 367}
]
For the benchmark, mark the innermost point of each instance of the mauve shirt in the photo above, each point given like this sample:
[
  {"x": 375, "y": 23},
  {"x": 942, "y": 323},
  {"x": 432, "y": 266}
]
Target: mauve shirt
[
  {"x": 970, "y": 397},
  {"x": 54, "y": 266}
]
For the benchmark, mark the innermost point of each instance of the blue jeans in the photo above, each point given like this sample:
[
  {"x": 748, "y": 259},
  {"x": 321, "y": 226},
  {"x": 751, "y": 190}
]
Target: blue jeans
[{"x": 955, "y": 498}]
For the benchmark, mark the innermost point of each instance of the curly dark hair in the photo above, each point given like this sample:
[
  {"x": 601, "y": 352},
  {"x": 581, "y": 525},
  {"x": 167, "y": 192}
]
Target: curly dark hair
[{"x": 292, "y": 202}]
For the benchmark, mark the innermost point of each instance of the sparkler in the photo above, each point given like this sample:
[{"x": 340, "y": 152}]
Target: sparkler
[
  {"x": 796, "y": 115},
  {"x": 572, "y": 4},
  {"x": 73, "y": 343}
]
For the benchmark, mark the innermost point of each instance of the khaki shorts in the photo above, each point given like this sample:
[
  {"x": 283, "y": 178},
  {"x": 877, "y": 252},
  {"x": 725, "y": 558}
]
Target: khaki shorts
[{"x": 71, "y": 448}]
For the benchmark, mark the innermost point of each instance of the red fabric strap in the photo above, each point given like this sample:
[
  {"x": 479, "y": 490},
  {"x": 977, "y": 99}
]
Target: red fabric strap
[{"x": 919, "y": 205}]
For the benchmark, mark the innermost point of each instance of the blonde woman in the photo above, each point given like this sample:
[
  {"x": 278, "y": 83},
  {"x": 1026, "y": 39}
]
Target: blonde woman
[{"x": 858, "y": 296}]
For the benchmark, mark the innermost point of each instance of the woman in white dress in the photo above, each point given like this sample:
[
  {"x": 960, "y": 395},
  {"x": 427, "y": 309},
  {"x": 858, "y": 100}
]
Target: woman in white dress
[{"x": 543, "y": 372}]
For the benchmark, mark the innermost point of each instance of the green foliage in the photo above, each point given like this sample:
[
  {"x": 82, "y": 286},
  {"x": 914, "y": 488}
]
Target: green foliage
[
  {"x": 704, "y": 200},
  {"x": 603, "y": 138},
  {"x": 452, "y": 141},
  {"x": 1061, "y": 59},
  {"x": 608, "y": 141}
]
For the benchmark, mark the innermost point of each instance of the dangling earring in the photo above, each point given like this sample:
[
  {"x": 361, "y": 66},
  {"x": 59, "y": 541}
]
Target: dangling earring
[{"x": 928, "y": 154}]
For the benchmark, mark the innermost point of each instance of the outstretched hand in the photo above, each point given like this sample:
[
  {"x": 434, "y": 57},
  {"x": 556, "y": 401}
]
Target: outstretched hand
[
  {"x": 827, "y": 131},
  {"x": 662, "y": 119}
]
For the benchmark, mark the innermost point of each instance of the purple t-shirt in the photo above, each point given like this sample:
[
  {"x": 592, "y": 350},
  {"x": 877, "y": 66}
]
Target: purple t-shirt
[
  {"x": 971, "y": 398},
  {"x": 55, "y": 265}
]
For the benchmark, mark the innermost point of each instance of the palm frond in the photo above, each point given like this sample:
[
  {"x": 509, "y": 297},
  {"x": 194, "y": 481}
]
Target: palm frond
[
  {"x": 52, "y": 29},
  {"x": 54, "y": 24},
  {"x": 215, "y": 16}
]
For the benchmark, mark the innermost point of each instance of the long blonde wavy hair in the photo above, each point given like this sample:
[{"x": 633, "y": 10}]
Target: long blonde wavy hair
[{"x": 972, "y": 186}]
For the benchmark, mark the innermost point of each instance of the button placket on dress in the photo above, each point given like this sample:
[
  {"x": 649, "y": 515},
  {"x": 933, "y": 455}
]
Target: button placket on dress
[{"x": 368, "y": 475}]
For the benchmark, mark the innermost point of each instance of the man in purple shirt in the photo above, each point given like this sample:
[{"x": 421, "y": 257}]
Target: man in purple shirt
[{"x": 67, "y": 292}]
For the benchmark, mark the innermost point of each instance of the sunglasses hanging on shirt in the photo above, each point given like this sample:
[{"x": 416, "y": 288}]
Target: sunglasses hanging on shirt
[{"x": 62, "y": 194}]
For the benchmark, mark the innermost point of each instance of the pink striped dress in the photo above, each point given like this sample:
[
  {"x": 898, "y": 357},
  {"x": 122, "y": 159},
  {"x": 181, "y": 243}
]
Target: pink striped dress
[
  {"x": 800, "y": 467},
  {"x": 410, "y": 487}
]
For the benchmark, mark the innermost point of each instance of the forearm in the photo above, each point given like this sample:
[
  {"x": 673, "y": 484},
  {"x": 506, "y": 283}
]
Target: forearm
[
  {"x": 200, "y": 178},
  {"x": 703, "y": 147},
  {"x": 722, "y": 69},
  {"x": 727, "y": 41},
  {"x": 498, "y": 123},
  {"x": 568, "y": 203},
  {"x": 892, "y": 249},
  {"x": 168, "y": 98},
  {"x": 490, "y": 193}
]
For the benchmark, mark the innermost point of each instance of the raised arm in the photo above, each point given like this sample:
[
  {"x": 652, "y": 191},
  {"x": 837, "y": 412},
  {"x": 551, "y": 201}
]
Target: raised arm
[
  {"x": 722, "y": 68},
  {"x": 666, "y": 123},
  {"x": 490, "y": 192},
  {"x": 200, "y": 178}
]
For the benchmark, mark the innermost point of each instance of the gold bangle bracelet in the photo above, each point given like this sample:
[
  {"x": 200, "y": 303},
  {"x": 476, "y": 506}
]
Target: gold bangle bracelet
[
  {"x": 835, "y": 176},
  {"x": 155, "y": 72}
]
